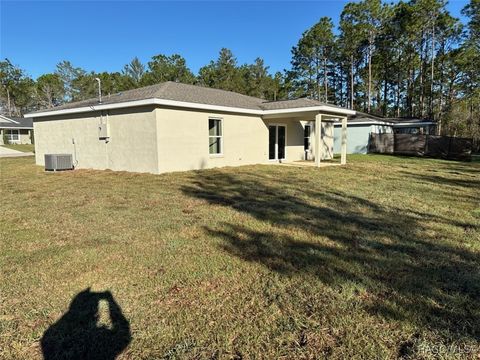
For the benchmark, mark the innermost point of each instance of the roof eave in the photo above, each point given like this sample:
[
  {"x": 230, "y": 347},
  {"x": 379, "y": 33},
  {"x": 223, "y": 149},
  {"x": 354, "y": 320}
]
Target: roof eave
[
  {"x": 318, "y": 108},
  {"x": 136, "y": 103},
  {"x": 373, "y": 122},
  {"x": 182, "y": 104},
  {"x": 8, "y": 119},
  {"x": 17, "y": 127}
]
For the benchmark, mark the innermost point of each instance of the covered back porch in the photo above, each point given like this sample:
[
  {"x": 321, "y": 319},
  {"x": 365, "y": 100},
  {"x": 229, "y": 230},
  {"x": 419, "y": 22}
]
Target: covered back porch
[{"x": 306, "y": 138}]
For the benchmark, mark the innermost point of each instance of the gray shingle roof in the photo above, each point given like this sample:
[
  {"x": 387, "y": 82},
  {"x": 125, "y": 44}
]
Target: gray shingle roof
[
  {"x": 364, "y": 117},
  {"x": 204, "y": 95},
  {"x": 288, "y": 104},
  {"x": 16, "y": 123},
  {"x": 399, "y": 121},
  {"x": 193, "y": 94}
]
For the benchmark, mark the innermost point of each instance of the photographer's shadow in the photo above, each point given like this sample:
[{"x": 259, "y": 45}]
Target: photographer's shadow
[{"x": 77, "y": 335}]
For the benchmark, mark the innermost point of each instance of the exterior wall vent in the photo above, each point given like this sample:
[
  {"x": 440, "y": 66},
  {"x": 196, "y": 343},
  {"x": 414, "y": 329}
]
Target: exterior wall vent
[{"x": 54, "y": 162}]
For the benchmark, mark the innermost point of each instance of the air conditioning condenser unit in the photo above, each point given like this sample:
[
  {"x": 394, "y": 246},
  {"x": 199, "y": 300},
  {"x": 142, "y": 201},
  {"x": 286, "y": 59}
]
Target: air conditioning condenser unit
[{"x": 55, "y": 162}]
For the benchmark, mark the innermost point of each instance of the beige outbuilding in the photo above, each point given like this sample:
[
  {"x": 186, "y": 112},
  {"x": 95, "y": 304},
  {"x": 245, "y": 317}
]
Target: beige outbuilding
[{"x": 177, "y": 127}]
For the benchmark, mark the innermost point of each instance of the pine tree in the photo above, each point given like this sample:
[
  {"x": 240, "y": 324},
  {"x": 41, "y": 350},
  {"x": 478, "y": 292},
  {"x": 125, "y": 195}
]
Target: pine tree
[
  {"x": 312, "y": 59},
  {"x": 168, "y": 68}
]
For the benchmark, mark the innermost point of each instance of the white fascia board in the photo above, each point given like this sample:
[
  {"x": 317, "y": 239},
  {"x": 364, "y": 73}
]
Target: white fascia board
[
  {"x": 337, "y": 110},
  {"x": 326, "y": 108},
  {"x": 190, "y": 105},
  {"x": 206, "y": 107},
  {"x": 135, "y": 103},
  {"x": 374, "y": 122}
]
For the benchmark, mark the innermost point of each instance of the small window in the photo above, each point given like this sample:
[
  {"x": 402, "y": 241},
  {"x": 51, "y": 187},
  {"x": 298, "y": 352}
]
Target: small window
[
  {"x": 215, "y": 134},
  {"x": 12, "y": 135},
  {"x": 306, "y": 137}
]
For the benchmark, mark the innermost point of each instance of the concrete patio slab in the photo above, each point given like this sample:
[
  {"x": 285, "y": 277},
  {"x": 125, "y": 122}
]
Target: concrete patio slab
[{"x": 303, "y": 163}]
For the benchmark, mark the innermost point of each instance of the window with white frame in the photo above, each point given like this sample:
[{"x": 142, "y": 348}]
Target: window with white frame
[
  {"x": 215, "y": 136},
  {"x": 12, "y": 135}
]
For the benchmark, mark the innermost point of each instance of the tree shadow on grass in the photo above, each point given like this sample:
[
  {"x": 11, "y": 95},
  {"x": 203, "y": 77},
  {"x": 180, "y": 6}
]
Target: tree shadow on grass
[
  {"x": 77, "y": 335},
  {"x": 412, "y": 273},
  {"x": 454, "y": 180},
  {"x": 473, "y": 182}
]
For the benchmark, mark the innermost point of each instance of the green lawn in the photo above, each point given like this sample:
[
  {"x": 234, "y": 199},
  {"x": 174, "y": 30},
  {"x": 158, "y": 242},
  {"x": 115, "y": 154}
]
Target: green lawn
[
  {"x": 378, "y": 259},
  {"x": 20, "y": 147}
]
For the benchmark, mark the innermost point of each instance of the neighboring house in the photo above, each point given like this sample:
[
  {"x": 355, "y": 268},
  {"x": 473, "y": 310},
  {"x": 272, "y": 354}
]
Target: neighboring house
[
  {"x": 413, "y": 126},
  {"x": 361, "y": 125},
  {"x": 14, "y": 130},
  {"x": 175, "y": 127}
]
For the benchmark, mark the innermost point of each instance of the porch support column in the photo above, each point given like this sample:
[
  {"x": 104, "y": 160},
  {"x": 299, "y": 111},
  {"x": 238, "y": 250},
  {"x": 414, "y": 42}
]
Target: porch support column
[
  {"x": 343, "y": 157},
  {"x": 318, "y": 139}
]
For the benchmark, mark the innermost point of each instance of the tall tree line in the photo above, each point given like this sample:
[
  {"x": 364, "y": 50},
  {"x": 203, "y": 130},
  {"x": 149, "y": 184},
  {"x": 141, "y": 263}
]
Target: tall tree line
[
  {"x": 19, "y": 93},
  {"x": 410, "y": 59}
]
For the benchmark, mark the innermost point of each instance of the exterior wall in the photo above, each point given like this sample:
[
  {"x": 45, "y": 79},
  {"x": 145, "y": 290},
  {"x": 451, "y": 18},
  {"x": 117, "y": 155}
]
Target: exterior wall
[
  {"x": 158, "y": 140},
  {"x": 24, "y": 136},
  {"x": 131, "y": 146},
  {"x": 294, "y": 148},
  {"x": 357, "y": 137},
  {"x": 133, "y": 140},
  {"x": 295, "y": 138},
  {"x": 183, "y": 141}
]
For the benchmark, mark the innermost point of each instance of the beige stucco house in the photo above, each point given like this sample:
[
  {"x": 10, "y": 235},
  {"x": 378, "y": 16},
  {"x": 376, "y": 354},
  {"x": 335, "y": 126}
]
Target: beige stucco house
[
  {"x": 15, "y": 130},
  {"x": 176, "y": 127}
]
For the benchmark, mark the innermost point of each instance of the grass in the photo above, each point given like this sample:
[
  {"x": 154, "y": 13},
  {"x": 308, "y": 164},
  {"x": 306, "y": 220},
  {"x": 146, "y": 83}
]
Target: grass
[
  {"x": 378, "y": 259},
  {"x": 20, "y": 147}
]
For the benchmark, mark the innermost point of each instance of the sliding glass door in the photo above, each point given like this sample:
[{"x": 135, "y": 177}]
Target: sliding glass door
[{"x": 276, "y": 142}]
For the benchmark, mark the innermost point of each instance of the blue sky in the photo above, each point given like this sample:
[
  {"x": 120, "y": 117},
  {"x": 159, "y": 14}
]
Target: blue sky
[{"x": 104, "y": 36}]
